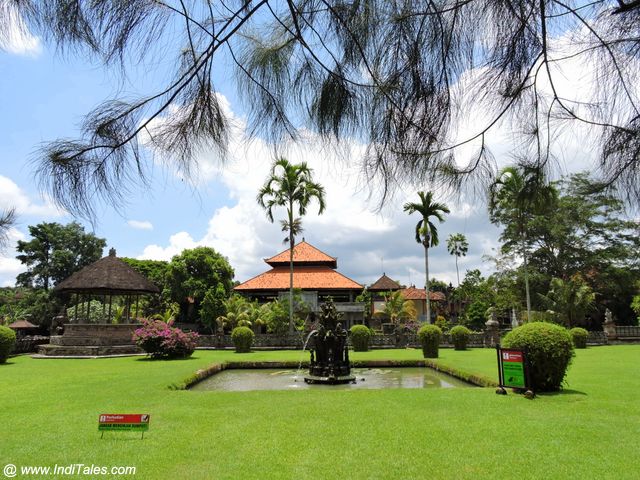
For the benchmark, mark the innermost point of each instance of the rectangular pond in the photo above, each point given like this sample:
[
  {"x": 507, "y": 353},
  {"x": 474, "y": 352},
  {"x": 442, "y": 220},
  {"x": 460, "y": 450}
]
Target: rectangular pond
[{"x": 366, "y": 378}]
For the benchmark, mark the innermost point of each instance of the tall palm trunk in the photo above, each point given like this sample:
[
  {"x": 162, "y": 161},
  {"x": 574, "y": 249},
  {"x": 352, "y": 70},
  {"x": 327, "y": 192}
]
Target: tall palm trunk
[
  {"x": 526, "y": 279},
  {"x": 426, "y": 269},
  {"x": 457, "y": 271},
  {"x": 291, "y": 240}
]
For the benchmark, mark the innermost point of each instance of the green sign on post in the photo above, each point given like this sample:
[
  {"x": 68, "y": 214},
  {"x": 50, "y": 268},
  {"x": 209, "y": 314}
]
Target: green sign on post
[
  {"x": 513, "y": 374},
  {"x": 513, "y": 371}
]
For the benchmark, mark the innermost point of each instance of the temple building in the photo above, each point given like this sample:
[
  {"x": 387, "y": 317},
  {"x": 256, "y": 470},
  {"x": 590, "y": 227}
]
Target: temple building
[
  {"x": 417, "y": 295},
  {"x": 315, "y": 275}
]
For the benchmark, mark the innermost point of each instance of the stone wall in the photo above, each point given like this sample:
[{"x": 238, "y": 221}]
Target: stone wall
[{"x": 29, "y": 344}]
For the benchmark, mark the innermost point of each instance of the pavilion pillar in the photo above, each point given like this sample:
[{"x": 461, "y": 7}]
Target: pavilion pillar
[{"x": 75, "y": 309}]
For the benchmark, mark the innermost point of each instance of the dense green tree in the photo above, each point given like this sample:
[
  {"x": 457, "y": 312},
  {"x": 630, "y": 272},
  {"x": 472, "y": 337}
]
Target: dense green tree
[
  {"x": 458, "y": 246},
  {"x": 516, "y": 198},
  {"x": 55, "y": 252},
  {"x": 635, "y": 306},
  {"x": 570, "y": 300},
  {"x": 35, "y": 305},
  {"x": 290, "y": 186},
  {"x": 195, "y": 273},
  {"x": 154, "y": 270},
  {"x": 426, "y": 232},
  {"x": 588, "y": 232}
]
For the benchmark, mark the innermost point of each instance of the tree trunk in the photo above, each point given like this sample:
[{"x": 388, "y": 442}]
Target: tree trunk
[
  {"x": 526, "y": 280},
  {"x": 457, "y": 272},
  {"x": 426, "y": 285},
  {"x": 291, "y": 240}
]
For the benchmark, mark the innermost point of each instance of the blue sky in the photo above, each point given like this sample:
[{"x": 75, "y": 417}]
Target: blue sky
[{"x": 44, "y": 96}]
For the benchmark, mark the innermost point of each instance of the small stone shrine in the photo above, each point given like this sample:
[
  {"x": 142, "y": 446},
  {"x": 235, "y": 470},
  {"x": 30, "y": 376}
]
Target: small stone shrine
[{"x": 329, "y": 350}]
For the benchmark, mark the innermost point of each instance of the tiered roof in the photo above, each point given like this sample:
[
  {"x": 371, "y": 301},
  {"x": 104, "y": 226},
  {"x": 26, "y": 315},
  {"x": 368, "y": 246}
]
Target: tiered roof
[
  {"x": 313, "y": 270},
  {"x": 303, "y": 254}
]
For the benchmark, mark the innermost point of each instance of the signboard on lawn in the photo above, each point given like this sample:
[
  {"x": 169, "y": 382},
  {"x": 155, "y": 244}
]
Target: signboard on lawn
[
  {"x": 123, "y": 422},
  {"x": 513, "y": 369}
]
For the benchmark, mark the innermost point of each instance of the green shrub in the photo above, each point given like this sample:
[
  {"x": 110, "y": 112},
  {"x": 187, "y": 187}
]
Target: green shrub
[
  {"x": 429, "y": 336},
  {"x": 242, "y": 339},
  {"x": 579, "y": 337},
  {"x": 7, "y": 342},
  {"x": 442, "y": 323},
  {"x": 360, "y": 336},
  {"x": 549, "y": 350},
  {"x": 460, "y": 337}
]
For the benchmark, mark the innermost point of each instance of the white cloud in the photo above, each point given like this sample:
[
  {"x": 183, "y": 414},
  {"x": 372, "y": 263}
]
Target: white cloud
[
  {"x": 10, "y": 266},
  {"x": 350, "y": 228},
  {"x": 17, "y": 39},
  {"x": 177, "y": 243},
  {"x": 12, "y": 196},
  {"x": 140, "y": 225}
]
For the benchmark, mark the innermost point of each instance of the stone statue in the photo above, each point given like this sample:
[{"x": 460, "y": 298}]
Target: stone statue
[
  {"x": 329, "y": 352},
  {"x": 608, "y": 316}
]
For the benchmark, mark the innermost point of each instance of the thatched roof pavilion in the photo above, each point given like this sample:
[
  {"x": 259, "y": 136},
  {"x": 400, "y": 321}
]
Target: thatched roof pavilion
[{"x": 108, "y": 277}]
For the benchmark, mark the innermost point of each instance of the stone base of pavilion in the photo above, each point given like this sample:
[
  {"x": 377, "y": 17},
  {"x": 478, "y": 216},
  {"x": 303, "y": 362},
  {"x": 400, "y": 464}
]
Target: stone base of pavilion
[{"x": 92, "y": 340}]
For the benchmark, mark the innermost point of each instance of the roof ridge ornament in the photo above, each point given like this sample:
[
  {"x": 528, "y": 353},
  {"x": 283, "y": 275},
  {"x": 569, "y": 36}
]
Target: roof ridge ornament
[{"x": 112, "y": 252}]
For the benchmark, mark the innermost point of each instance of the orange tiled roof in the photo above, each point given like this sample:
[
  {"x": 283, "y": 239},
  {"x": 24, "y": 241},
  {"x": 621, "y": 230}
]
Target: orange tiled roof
[
  {"x": 303, "y": 253},
  {"x": 413, "y": 293},
  {"x": 304, "y": 277}
]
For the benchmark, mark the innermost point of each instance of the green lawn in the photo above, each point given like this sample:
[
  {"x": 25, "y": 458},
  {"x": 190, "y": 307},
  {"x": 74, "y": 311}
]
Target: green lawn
[{"x": 50, "y": 408}]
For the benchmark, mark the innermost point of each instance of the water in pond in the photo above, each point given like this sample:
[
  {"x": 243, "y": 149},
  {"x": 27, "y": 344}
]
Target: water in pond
[{"x": 367, "y": 378}]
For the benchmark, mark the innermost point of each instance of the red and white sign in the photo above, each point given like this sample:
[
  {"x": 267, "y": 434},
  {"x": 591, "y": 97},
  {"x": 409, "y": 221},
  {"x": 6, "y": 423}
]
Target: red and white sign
[
  {"x": 512, "y": 356},
  {"x": 124, "y": 418}
]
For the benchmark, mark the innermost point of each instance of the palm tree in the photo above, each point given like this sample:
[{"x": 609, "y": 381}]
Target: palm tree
[
  {"x": 397, "y": 308},
  {"x": 426, "y": 231},
  {"x": 457, "y": 245},
  {"x": 238, "y": 313},
  {"x": 290, "y": 186},
  {"x": 519, "y": 194},
  {"x": 570, "y": 299}
]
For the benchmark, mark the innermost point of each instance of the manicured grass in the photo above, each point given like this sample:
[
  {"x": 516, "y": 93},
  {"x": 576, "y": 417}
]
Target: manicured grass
[{"x": 50, "y": 409}]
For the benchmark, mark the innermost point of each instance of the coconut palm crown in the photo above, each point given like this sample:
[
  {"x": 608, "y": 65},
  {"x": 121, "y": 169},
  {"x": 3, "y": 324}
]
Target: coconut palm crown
[
  {"x": 426, "y": 231},
  {"x": 457, "y": 246}
]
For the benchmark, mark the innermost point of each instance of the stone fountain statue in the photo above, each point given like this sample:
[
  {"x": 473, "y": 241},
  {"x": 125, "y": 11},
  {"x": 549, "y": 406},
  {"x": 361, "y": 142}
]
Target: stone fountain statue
[{"x": 329, "y": 362}]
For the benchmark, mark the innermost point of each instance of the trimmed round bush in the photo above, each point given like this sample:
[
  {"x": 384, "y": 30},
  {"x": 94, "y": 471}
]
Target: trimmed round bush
[
  {"x": 360, "y": 336},
  {"x": 161, "y": 340},
  {"x": 429, "y": 336},
  {"x": 242, "y": 339},
  {"x": 579, "y": 337},
  {"x": 549, "y": 350},
  {"x": 460, "y": 337},
  {"x": 7, "y": 342}
]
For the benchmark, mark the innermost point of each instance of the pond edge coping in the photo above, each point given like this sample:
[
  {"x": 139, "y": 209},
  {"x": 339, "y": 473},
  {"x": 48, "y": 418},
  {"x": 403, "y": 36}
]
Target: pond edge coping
[{"x": 215, "y": 368}]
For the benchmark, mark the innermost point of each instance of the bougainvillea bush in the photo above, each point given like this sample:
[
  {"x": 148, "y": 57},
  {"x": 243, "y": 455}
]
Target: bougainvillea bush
[{"x": 161, "y": 340}]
